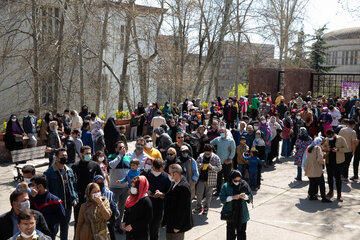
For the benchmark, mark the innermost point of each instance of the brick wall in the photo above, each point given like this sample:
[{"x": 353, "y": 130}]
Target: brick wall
[
  {"x": 296, "y": 80},
  {"x": 263, "y": 80}
]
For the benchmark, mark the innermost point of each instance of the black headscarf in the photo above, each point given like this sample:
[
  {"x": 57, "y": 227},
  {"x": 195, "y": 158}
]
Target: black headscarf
[
  {"x": 9, "y": 137},
  {"x": 111, "y": 135},
  {"x": 47, "y": 117}
]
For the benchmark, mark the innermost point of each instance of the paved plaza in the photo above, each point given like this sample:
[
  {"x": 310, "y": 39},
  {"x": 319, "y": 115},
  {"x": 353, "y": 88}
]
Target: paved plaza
[{"x": 281, "y": 209}]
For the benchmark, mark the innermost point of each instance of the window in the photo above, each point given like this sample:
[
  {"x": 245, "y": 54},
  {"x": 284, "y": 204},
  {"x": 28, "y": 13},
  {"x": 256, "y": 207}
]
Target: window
[
  {"x": 50, "y": 22},
  {"x": 356, "y": 56}
]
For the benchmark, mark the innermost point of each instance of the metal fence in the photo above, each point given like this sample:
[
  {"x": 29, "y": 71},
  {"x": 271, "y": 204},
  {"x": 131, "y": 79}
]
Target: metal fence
[{"x": 330, "y": 84}]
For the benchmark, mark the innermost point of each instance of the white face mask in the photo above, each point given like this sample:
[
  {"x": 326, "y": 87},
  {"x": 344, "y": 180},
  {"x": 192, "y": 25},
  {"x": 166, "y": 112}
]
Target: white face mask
[
  {"x": 147, "y": 167},
  {"x": 256, "y": 127},
  {"x": 24, "y": 205},
  {"x": 133, "y": 191},
  {"x": 13, "y": 119},
  {"x": 149, "y": 144},
  {"x": 171, "y": 178},
  {"x": 24, "y": 235},
  {"x": 156, "y": 174},
  {"x": 101, "y": 159},
  {"x": 298, "y": 117},
  {"x": 98, "y": 194},
  {"x": 27, "y": 180},
  {"x": 236, "y": 183},
  {"x": 330, "y": 139},
  {"x": 263, "y": 121}
]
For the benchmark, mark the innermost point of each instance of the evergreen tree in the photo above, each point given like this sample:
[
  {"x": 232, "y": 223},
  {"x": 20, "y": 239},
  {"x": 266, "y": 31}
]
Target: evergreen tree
[{"x": 318, "y": 52}]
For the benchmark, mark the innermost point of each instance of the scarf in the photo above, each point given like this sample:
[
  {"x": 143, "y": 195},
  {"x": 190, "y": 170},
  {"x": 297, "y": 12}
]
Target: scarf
[
  {"x": 97, "y": 131},
  {"x": 316, "y": 142},
  {"x": 304, "y": 135},
  {"x": 142, "y": 192}
]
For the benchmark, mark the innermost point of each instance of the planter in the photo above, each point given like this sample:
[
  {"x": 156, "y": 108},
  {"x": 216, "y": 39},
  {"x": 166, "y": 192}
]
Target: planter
[
  {"x": 122, "y": 121},
  {"x": 2, "y": 135}
]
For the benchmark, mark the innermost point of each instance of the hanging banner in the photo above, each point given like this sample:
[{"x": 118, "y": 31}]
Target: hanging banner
[{"x": 350, "y": 89}]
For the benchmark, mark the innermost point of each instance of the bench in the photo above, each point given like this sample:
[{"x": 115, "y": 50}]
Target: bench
[{"x": 28, "y": 156}]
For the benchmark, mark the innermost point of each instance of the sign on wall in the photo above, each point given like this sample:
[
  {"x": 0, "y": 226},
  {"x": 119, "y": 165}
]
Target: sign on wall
[{"x": 350, "y": 89}]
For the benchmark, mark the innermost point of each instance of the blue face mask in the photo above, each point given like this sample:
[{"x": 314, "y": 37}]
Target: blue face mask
[
  {"x": 222, "y": 135},
  {"x": 87, "y": 158}
]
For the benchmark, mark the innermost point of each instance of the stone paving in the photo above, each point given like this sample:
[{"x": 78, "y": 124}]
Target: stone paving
[{"x": 281, "y": 209}]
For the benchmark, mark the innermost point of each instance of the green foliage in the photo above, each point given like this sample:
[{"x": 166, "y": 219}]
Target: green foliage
[
  {"x": 318, "y": 52},
  {"x": 4, "y": 127},
  {"x": 161, "y": 107},
  {"x": 122, "y": 114},
  {"x": 243, "y": 89},
  {"x": 204, "y": 105},
  {"x": 102, "y": 117}
]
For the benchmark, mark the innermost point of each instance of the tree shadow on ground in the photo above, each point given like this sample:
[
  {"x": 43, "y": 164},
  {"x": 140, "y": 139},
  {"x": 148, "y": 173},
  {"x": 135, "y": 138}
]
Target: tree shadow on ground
[{"x": 309, "y": 206}]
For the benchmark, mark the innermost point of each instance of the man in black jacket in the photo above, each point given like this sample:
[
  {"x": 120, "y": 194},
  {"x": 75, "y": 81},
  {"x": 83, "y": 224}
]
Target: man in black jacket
[
  {"x": 69, "y": 145},
  {"x": 30, "y": 125},
  {"x": 84, "y": 170},
  {"x": 19, "y": 201},
  {"x": 177, "y": 215},
  {"x": 230, "y": 114}
]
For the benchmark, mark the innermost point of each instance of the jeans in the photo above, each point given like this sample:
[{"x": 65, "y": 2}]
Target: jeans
[
  {"x": 201, "y": 189},
  {"x": 314, "y": 183},
  {"x": 64, "y": 225},
  {"x": 155, "y": 224},
  {"x": 299, "y": 173},
  {"x": 235, "y": 231},
  {"x": 334, "y": 170},
  {"x": 120, "y": 196},
  {"x": 286, "y": 148},
  {"x": 253, "y": 179},
  {"x": 225, "y": 172},
  {"x": 346, "y": 164},
  {"x": 242, "y": 169}
]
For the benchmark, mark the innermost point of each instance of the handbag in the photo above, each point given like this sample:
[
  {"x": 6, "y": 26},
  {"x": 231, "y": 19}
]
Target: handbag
[{"x": 226, "y": 215}]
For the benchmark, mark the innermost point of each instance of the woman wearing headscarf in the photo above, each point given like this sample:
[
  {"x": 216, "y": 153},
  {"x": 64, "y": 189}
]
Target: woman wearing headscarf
[
  {"x": 174, "y": 109},
  {"x": 98, "y": 135},
  {"x": 275, "y": 138},
  {"x": 76, "y": 121},
  {"x": 111, "y": 136},
  {"x": 163, "y": 140},
  {"x": 303, "y": 141},
  {"x": 14, "y": 134},
  {"x": 234, "y": 195},
  {"x": 286, "y": 132},
  {"x": 138, "y": 210},
  {"x": 313, "y": 163},
  {"x": 325, "y": 120},
  {"x": 84, "y": 112},
  {"x": 53, "y": 141},
  {"x": 140, "y": 111},
  {"x": 167, "y": 112},
  {"x": 44, "y": 128},
  {"x": 266, "y": 131},
  {"x": 93, "y": 215}
]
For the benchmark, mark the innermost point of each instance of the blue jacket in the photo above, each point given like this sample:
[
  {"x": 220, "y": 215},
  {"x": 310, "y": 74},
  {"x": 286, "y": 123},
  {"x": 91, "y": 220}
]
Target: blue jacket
[
  {"x": 194, "y": 168},
  {"x": 56, "y": 185},
  {"x": 130, "y": 175},
  {"x": 253, "y": 163},
  {"x": 87, "y": 139}
]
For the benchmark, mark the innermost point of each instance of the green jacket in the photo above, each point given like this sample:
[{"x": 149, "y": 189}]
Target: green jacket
[
  {"x": 255, "y": 103},
  {"x": 226, "y": 191},
  {"x": 167, "y": 112}
]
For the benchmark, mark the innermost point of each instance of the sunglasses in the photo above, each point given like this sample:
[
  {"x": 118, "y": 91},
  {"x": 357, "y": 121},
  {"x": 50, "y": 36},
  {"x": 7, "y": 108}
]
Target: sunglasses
[
  {"x": 179, "y": 137},
  {"x": 148, "y": 141}
]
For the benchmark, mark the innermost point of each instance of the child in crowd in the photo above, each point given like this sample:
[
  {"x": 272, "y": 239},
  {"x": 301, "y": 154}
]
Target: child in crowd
[
  {"x": 240, "y": 161},
  {"x": 133, "y": 172},
  {"x": 123, "y": 136},
  {"x": 253, "y": 162},
  {"x": 101, "y": 159},
  {"x": 134, "y": 123}
]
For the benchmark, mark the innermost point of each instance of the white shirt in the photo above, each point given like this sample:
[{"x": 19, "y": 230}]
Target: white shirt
[
  {"x": 336, "y": 115},
  {"x": 157, "y": 121}
]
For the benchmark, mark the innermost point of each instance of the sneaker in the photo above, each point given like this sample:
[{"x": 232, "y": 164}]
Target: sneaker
[
  {"x": 325, "y": 200},
  {"x": 198, "y": 210},
  {"x": 206, "y": 210},
  {"x": 298, "y": 179}
]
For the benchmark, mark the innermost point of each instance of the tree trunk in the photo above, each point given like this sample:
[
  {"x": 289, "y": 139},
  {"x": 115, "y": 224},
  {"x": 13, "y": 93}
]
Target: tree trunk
[
  {"x": 35, "y": 68},
  {"x": 101, "y": 56},
  {"x": 70, "y": 84},
  {"x": 56, "y": 74},
  {"x": 80, "y": 53}
]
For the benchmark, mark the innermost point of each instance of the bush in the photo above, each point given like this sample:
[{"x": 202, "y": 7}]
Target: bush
[
  {"x": 204, "y": 105},
  {"x": 4, "y": 127},
  {"x": 122, "y": 114},
  {"x": 243, "y": 90}
]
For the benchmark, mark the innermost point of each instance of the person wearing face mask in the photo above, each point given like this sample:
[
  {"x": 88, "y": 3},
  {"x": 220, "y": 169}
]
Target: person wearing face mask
[
  {"x": 44, "y": 128},
  {"x": 281, "y": 108},
  {"x": 234, "y": 195},
  {"x": 86, "y": 136},
  {"x": 101, "y": 159},
  {"x": 14, "y": 134},
  {"x": 149, "y": 149},
  {"x": 133, "y": 172},
  {"x": 28, "y": 171},
  {"x": 335, "y": 146},
  {"x": 70, "y": 146},
  {"x": 177, "y": 213},
  {"x": 105, "y": 192},
  {"x": 298, "y": 123},
  {"x": 84, "y": 112},
  {"x": 180, "y": 141},
  {"x": 139, "y": 152},
  {"x": 230, "y": 113},
  {"x": 159, "y": 185},
  {"x": 209, "y": 165},
  {"x": 226, "y": 149},
  {"x": 301, "y": 144},
  {"x": 250, "y": 135},
  {"x": 138, "y": 210},
  {"x": 156, "y": 122},
  {"x": 266, "y": 133},
  {"x": 93, "y": 216},
  {"x": 163, "y": 140},
  {"x": 167, "y": 111},
  {"x": 84, "y": 171},
  {"x": 30, "y": 125},
  {"x": 171, "y": 158},
  {"x": 47, "y": 203},
  {"x": 27, "y": 227},
  {"x": 189, "y": 165},
  {"x": 286, "y": 135},
  {"x": 19, "y": 201},
  {"x": 275, "y": 139},
  {"x": 61, "y": 183}
]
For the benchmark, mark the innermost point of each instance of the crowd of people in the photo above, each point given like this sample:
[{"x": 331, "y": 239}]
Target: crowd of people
[{"x": 183, "y": 154}]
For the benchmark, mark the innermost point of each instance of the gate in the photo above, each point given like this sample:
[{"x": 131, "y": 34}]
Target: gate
[{"x": 330, "y": 84}]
